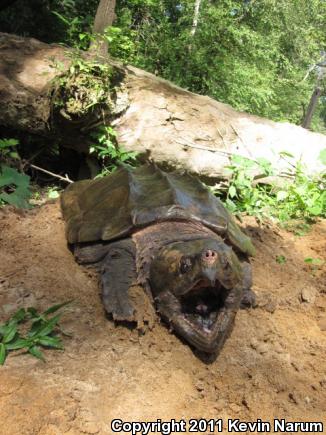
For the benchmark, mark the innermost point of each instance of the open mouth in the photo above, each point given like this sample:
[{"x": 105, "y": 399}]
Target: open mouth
[{"x": 201, "y": 305}]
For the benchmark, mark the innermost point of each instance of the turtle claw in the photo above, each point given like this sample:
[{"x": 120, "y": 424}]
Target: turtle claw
[
  {"x": 248, "y": 299},
  {"x": 248, "y": 296},
  {"x": 121, "y": 311}
]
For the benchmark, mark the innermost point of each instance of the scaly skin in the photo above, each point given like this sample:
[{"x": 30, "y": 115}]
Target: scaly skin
[{"x": 174, "y": 261}]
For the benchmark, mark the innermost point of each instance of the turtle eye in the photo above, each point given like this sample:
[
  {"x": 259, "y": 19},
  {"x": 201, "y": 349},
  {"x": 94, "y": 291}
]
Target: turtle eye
[{"x": 185, "y": 265}]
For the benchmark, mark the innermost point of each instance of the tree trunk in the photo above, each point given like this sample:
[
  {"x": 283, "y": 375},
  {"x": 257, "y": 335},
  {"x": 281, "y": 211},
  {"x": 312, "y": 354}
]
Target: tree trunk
[
  {"x": 195, "y": 19},
  {"x": 172, "y": 126},
  {"x": 105, "y": 15},
  {"x": 311, "y": 107}
]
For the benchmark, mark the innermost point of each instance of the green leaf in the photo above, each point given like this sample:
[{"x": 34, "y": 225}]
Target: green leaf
[
  {"x": 48, "y": 327},
  {"x": 6, "y": 143},
  {"x": 11, "y": 176},
  {"x": 10, "y": 333},
  {"x": 310, "y": 260},
  {"x": 20, "y": 195},
  {"x": 61, "y": 17},
  {"x": 19, "y": 315},
  {"x": 243, "y": 161},
  {"x": 230, "y": 205},
  {"x": 232, "y": 191},
  {"x": 262, "y": 161},
  {"x": 281, "y": 195},
  {"x": 53, "y": 194},
  {"x": 57, "y": 307},
  {"x": 286, "y": 154},
  {"x": 35, "y": 351},
  {"x": 54, "y": 342},
  {"x": 315, "y": 210},
  {"x": 3, "y": 354},
  {"x": 37, "y": 325},
  {"x": 280, "y": 259},
  {"x": 19, "y": 343}
]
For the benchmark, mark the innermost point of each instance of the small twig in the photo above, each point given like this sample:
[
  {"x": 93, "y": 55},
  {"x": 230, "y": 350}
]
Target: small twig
[
  {"x": 66, "y": 178},
  {"x": 33, "y": 156},
  {"x": 200, "y": 147},
  {"x": 288, "y": 162},
  {"x": 244, "y": 144},
  {"x": 221, "y": 135}
]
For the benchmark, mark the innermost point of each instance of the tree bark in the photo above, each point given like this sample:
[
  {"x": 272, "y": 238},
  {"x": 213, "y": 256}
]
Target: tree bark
[
  {"x": 172, "y": 126},
  {"x": 105, "y": 15},
  {"x": 311, "y": 107},
  {"x": 195, "y": 18}
]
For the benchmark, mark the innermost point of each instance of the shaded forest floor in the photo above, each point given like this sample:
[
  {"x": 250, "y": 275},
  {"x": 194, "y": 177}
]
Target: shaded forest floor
[{"x": 272, "y": 366}]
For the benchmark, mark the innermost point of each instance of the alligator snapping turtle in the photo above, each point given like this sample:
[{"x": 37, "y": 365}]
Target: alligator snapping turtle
[{"x": 168, "y": 233}]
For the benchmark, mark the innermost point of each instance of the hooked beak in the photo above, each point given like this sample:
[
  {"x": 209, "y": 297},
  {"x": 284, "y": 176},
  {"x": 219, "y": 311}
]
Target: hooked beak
[{"x": 210, "y": 274}]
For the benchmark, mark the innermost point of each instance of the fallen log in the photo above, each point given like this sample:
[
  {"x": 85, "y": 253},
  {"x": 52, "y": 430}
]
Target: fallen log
[{"x": 170, "y": 125}]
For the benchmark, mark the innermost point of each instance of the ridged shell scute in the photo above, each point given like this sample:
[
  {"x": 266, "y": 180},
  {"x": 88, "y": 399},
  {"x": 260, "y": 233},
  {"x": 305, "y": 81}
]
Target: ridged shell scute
[{"x": 112, "y": 207}]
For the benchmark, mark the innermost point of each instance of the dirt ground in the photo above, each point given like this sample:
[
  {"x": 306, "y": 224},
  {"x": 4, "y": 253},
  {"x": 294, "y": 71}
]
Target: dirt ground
[{"x": 272, "y": 366}]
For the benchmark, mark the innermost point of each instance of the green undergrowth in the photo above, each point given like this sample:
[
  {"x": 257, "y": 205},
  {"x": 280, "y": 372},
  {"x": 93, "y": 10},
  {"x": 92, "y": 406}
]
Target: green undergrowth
[
  {"x": 85, "y": 86},
  {"x": 29, "y": 330},
  {"x": 14, "y": 184},
  {"x": 295, "y": 203},
  {"x": 294, "y": 199},
  {"x": 109, "y": 154}
]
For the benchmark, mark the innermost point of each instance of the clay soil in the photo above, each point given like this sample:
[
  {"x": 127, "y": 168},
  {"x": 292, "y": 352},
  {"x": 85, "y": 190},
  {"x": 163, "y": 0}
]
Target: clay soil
[{"x": 272, "y": 366}]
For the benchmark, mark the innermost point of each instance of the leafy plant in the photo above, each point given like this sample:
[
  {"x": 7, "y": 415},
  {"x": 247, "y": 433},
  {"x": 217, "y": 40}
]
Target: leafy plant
[
  {"x": 74, "y": 35},
  {"x": 42, "y": 332},
  {"x": 314, "y": 264},
  {"x": 14, "y": 186},
  {"x": 109, "y": 153},
  {"x": 240, "y": 193},
  {"x": 85, "y": 86},
  {"x": 301, "y": 200},
  {"x": 253, "y": 55},
  {"x": 6, "y": 148},
  {"x": 314, "y": 261},
  {"x": 304, "y": 198},
  {"x": 280, "y": 259},
  {"x": 53, "y": 192}
]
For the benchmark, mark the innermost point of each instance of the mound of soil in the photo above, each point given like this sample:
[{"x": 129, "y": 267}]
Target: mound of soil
[{"x": 272, "y": 366}]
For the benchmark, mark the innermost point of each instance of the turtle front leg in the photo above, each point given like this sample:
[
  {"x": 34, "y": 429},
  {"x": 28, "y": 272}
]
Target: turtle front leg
[{"x": 118, "y": 273}]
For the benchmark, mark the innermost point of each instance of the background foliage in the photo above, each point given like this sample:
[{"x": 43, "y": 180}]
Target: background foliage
[{"x": 252, "y": 54}]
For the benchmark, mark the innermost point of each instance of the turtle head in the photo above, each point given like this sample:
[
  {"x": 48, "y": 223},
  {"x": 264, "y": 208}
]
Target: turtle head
[
  {"x": 181, "y": 266},
  {"x": 197, "y": 283}
]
